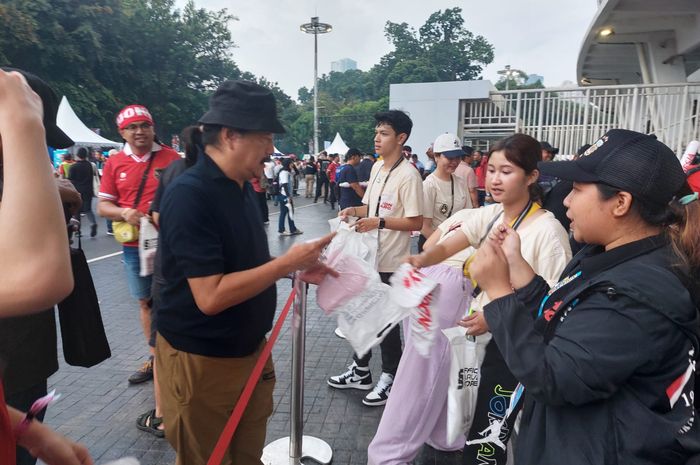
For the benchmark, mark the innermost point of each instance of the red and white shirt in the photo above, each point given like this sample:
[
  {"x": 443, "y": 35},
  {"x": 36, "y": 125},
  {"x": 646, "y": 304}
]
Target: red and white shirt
[{"x": 123, "y": 172}]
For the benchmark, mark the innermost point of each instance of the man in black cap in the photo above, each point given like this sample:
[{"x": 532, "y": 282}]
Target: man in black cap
[{"x": 219, "y": 296}]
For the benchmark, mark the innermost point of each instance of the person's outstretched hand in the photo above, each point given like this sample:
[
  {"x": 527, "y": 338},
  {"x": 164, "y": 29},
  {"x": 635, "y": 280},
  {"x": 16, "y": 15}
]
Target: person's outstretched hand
[
  {"x": 55, "y": 449},
  {"x": 306, "y": 257}
]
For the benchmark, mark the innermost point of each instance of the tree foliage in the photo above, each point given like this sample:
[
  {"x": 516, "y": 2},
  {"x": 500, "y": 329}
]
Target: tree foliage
[
  {"x": 104, "y": 54},
  {"x": 442, "y": 49}
]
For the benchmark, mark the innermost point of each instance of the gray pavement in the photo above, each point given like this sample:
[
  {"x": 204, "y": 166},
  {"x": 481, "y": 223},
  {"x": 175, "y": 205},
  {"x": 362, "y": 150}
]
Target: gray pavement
[{"x": 99, "y": 408}]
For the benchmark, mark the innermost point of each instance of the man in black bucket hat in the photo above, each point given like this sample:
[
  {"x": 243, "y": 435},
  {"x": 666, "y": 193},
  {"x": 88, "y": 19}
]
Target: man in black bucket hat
[{"x": 219, "y": 298}]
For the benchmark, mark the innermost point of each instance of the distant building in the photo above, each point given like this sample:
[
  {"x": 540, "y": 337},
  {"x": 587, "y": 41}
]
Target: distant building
[
  {"x": 342, "y": 65},
  {"x": 533, "y": 78}
]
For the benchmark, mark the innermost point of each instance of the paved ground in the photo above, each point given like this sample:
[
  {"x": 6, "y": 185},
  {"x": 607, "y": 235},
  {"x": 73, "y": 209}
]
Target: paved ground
[{"x": 99, "y": 408}]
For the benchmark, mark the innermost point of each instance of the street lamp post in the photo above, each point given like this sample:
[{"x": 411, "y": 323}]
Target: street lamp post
[
  {"x": 509, "y": 72},
  {"x": 315, "y": 27}
]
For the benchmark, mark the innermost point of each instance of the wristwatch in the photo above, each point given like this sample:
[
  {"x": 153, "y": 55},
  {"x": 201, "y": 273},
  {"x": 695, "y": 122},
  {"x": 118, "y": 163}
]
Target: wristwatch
[{"x": 382, "y": 223}]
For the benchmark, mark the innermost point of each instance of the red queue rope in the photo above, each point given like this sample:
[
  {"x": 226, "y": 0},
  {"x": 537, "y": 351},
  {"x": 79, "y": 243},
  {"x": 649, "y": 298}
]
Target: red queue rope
[{"x": 229, "y": 430}]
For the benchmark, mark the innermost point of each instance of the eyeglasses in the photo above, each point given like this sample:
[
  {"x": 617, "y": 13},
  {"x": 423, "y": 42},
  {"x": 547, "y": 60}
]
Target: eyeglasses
[{"x": 136, "y": 127}]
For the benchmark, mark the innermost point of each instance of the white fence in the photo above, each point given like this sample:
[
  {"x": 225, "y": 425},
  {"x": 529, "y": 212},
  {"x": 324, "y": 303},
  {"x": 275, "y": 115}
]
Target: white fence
[{"x": 570, "y": 117}]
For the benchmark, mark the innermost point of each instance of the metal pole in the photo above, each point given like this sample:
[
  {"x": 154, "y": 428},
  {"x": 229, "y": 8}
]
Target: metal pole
[
  {"x": 290, "y": 450},
  {"x": 315, "y": 93},
  {"x": 298, "y": 348}
]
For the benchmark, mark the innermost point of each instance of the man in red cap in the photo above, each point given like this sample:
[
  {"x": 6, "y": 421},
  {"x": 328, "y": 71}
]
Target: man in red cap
[{"x": 129, "y": 182}]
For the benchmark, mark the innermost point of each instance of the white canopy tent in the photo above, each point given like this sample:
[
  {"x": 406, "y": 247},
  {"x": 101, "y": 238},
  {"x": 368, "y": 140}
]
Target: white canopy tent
[
  {"x": 338, "y": 146},
  {"x": 68, "y": 121}
]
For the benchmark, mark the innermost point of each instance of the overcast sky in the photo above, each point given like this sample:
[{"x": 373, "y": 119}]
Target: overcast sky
[{"x": 537, "y": 36}]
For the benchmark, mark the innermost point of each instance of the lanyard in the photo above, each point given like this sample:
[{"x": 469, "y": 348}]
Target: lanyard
[
  {"x": 452, "y": 191},
  {"x": 379, "y": 199},
  {"x": 529, "y": 209},
  {"x": 554, "y": 289}
]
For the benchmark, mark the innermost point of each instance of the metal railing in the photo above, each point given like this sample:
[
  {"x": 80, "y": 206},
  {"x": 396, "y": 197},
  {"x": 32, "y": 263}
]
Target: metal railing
[{"x": 570, "y": 117}]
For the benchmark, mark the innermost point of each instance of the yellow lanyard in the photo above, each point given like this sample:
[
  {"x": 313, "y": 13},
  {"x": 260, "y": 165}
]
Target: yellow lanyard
[{"x": 533, "y": 207}]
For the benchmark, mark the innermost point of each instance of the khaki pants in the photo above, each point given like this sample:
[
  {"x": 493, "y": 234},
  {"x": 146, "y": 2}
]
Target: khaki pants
[
  {"x": 310, "y": 178},
  {"x": 199, "y": 393}
]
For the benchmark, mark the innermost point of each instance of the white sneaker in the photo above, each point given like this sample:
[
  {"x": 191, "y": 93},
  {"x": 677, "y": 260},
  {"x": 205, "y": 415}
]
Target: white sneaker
[
  {"x": 380, "y": 393},
  {"x": 339, "y": 333},
  {"x": 354, "y": 378}
]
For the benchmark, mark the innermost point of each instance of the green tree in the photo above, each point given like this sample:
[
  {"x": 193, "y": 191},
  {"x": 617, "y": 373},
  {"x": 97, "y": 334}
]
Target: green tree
[
  {"x": 104, "y": 54},
  {"x": 517, "y": 80}
]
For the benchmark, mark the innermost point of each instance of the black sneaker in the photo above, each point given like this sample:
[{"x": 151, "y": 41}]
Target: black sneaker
[
  {"x": 380, "y": 393},
  {"x": 143, "y": 374},
  {"x": 354, "y": 378},
  {"x": 93, "y": 230}
]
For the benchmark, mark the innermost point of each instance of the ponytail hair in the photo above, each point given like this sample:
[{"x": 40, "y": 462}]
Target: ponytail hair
[
  {"x": 192, "y": 141},
  {"x": 684, "y": 234}
]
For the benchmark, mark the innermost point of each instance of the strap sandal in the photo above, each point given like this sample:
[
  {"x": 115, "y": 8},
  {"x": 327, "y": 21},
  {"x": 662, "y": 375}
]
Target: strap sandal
[{"x": 149, "y": 422}]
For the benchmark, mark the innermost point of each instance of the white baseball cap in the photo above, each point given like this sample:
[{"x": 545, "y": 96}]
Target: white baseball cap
[{"x": 448, "y": 145}]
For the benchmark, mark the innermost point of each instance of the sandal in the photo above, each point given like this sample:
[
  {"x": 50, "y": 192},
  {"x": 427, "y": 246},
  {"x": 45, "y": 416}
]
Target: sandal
[{"x": 149, "y": 422}]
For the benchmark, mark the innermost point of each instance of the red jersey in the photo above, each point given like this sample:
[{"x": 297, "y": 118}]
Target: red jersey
[
  {"x": 481, "y": 173},
  {"x": 7, "y": 437},
  {"x": 331, "y": 171},
  {"x": 123, "y": 172},
  {"x": 694, "y": 181}
]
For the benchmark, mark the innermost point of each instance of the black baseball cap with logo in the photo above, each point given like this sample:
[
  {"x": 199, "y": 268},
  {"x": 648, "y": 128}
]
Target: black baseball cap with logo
[
  {"x": 55, "y": 137},
  {"x": 627, "y": 160}
]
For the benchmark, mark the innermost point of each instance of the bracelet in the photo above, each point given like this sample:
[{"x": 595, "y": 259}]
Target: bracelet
[
  {"x": 354, "y": 211},
  {"x": 37, "y": 407}
]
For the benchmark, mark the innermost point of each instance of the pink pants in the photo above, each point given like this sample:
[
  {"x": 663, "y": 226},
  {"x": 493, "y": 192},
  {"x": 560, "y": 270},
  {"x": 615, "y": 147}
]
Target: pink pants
[{"x": 416, "y": 412}]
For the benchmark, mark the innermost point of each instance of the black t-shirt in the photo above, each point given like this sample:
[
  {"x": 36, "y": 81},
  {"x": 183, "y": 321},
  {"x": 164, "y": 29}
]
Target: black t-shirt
[
  {"x": 323, "y": 168},
  {"x": 364, "y": 169},
  {"x": 81, "y": 175},
  {"x": 28, "y": 347},
  {"x": 168, "y": 175},
  {"x": 210, "y": 225},
  {"x": 348, "y": 197},
  {"x": 310, "y": 168}
]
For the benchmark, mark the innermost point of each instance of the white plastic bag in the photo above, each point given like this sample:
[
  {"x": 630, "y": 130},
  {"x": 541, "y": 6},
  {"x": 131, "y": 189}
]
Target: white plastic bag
[
  {"x": 416, "y": 292},
  {"x": 354, "y": 276},
  {"x": 124, "y": 461},
  {"x": 464, "y": 381},
  {"x": 148, "y": 245},
  {"x": 367, "y": 318},
  {"x": 348, "y": 241}
]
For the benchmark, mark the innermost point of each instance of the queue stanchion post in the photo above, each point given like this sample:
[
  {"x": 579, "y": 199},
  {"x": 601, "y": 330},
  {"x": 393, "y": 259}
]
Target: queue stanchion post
[{"x": 291, "y": 450}]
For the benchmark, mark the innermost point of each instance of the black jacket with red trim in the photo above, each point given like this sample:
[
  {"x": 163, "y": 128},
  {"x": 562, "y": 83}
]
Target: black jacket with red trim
[{"x": 609, "y": 378}]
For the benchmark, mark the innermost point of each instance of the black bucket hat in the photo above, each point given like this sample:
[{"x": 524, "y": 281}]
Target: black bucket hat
[
  {"x": 55, "y": 137},
  {"x": 243, "y": 105},
  {"x": 627, "y": 160}
]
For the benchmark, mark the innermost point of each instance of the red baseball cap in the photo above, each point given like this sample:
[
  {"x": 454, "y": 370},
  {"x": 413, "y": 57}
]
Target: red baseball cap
[{"x": 133, "y": 114}]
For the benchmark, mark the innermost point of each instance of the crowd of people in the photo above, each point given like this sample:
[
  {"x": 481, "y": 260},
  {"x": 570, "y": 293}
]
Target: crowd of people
[{"x": 579, "y": 280}]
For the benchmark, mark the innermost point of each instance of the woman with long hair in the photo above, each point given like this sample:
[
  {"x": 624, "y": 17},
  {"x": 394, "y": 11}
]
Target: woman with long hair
[
  {"x": 607, "y": 355},
  {"x": 416, "y": 411}
]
